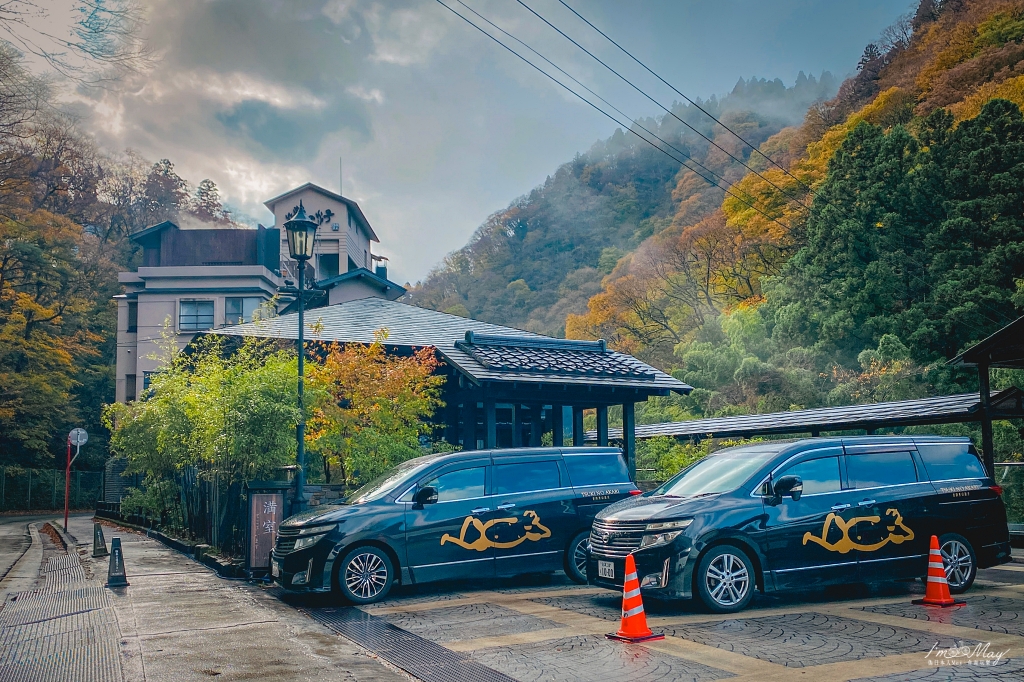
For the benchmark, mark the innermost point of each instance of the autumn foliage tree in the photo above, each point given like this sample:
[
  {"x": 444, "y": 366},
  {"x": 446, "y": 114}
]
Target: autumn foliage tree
[{"x": 375, "y": 408}]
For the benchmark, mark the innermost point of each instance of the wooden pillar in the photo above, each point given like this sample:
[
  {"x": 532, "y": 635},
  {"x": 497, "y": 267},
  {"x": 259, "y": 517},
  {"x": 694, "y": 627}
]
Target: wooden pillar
[
  {"x": 469, "y": 424},
  {"x": 869, "y": 432},
  {"x": 815, "y": 433},
  {"x": 517, "y": 425},
  {"x": 577, "y": 425},
  {"x": 451, "y": 423},
  {"x": 557, "y": 426},
  {"x": 536, "y": 424},
  {"x": 987, "y": 438},
  {"x": 490, "y": 424},
  {"x": 629, "y": 438},
  {"x": 602, "y": 425}
]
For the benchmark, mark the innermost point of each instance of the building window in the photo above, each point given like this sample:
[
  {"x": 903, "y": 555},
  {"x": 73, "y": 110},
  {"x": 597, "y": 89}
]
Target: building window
[
  {"x": 146, "y": 378},
  {"x": 328, "y": 266},
  {"x": 238, "y": 310},
  {"x": 133, "y": 317},
  {"x": 366, "y": 259},
  {"x": 195, "y": 316},
  {"x": 129, "y": 388}
]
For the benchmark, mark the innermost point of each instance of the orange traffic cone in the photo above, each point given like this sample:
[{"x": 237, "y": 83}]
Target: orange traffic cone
[
  {"x": 634, "y": 622},
  {"x": 937, "y": 590}
]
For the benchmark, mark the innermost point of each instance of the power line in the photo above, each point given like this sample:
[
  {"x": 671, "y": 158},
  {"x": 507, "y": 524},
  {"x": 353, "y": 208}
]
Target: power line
[
  {"x": 682, "y": 162},
  {"x": 663, "y": 107},
  {"x": 609, "y": 104},
  {"x": 617, "y": 121},
  {"x": 674, "y": 89}
]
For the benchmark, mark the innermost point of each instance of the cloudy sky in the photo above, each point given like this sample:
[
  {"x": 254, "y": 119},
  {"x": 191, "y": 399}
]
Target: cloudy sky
[{"x": 436, "y": 125}]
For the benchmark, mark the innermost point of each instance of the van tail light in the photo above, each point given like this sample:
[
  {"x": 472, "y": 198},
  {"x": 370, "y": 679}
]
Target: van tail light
[
  {"x": 641, "y": 492},
  {"x": 997, "y": 489}
]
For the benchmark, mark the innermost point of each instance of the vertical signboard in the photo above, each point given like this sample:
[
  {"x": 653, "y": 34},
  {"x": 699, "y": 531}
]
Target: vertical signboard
[{"x": 266, "y": 511}]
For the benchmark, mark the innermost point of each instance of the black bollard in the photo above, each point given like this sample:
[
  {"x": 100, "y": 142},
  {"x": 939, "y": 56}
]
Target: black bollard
[
  {"x": 99, "y": 544},
  {"x": 116, "y": 576}
]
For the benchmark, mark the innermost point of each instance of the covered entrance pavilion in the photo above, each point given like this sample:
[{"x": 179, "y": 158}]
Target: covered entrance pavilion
[{"x": 506, "y": 387}]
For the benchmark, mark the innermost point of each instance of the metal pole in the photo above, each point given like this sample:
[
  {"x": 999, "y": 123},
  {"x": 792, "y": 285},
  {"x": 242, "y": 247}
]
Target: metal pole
[
  {"x": 300, "y": 429},
  {"x": 67, "y": 485},
  {"x": 987, "y": 439}
]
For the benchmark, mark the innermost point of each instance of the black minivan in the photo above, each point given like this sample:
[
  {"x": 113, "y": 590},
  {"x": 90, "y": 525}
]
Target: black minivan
[
  {"x": 807, "y": 513},
  {"x": 461, "y": 515}
]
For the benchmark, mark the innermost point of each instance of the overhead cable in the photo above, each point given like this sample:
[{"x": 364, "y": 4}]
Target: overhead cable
[{"x": 682, "y": 162}]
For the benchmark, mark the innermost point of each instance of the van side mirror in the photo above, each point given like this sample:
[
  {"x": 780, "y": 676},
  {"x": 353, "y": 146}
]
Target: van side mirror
[
  {"x": 789, "y": 486},
  {"x": 427, "y": 495}
]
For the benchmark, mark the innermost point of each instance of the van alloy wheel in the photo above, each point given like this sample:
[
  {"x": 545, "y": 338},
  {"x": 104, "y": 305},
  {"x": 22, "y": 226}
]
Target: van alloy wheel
[
  {"x": 727, "y": 580},
  {"x": 366, "y": 575},
  {"x": 957, "y": 561}
]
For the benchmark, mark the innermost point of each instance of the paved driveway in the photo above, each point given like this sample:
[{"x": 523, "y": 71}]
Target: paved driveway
[{"x": 554, "y": 630}]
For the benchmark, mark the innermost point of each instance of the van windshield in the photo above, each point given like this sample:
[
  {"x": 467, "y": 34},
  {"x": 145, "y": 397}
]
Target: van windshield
[
  {"x": 386, "y": 482},
  {"x": 721, "y": 472}
]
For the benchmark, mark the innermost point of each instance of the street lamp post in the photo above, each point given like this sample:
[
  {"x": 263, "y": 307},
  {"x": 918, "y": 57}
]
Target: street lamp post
[{"x": 301, "y": 233}]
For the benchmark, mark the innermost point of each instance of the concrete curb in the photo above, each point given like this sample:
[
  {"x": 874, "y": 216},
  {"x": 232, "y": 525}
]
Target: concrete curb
[{"x": 25, "y": 572}]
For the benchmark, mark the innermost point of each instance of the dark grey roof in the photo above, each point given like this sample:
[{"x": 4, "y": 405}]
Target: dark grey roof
[
  {"x": 1005, "y": 348},
  {"x": 938, "y": 410},
  {"x": 495, "y": 353},
  {"x": 360, "y": 273}
]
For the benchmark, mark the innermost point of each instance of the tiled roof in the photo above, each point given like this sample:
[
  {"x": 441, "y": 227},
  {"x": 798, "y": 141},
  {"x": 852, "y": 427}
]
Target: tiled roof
[
  {"x": 520, "y": 356},
  {"x": 555, "y": 356},
  {"x": 938, "y": 410}
]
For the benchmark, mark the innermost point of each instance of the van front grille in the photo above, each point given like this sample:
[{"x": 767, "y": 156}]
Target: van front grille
[
  {"x": 286, "y": 538},
  {"x": 616, "y": 538}
]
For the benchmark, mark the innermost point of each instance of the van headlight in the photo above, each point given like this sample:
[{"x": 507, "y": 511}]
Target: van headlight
[
  {"x": 312, "y": 535},
  {"x": 663, "y": 532}
]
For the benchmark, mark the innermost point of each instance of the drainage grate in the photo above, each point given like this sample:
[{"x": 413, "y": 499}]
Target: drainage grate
[
  {"x": 62, "y": 561},
  {"x": 419, "y": 657}
]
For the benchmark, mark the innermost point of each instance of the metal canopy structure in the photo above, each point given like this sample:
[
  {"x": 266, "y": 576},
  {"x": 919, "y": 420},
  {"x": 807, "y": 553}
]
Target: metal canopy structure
[
  {"x": 505, "y": 386},
  {"x": 964, "y": 407},
  {"x": 1004, "y": 349}
]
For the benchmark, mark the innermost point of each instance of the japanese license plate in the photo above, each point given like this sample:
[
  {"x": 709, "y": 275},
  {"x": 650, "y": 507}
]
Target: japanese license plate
[
  {"x": 605, "y": 569},
  {"x": 275, "y": 569}
]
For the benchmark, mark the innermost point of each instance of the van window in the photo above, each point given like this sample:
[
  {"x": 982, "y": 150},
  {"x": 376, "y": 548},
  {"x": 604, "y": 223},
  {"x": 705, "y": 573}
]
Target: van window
[
  {"x": 596, "y": 469},
  {"x": 818, "y": 475},
  {"x": 874, "y": 469},
  {"x": 946, "y": 461},
  {"x": 526, "y": 476},
  {"x": 463, "y": 484}
]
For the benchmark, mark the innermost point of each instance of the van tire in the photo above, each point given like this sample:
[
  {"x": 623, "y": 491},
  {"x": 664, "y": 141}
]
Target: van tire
[
  {"x": 576, "y": 570},
  {"x": 732, "y": 566},
  {"x": 957, "y": 547},
  {"x": 366, "y": 575}
]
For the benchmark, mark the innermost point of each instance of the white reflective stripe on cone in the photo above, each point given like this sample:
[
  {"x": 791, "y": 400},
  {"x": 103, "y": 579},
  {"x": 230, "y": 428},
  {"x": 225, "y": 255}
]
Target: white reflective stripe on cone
[
  {"x": 630, "y": 576},
  {"x": 631, "y": 593},
  {"x": 633, "y": 611},
  {"x": 932, "y": 564}
]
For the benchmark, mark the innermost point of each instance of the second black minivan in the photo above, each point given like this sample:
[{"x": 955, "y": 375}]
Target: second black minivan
[
  {"x": 785, "y": 515},
  {"x": 475, "y": 514}
]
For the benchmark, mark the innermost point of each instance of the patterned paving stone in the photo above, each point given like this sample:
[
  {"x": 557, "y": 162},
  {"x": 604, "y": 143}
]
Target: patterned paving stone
[
  {"x": 592, "y": 659},
  {"x": 468, "y": 621},
  {"x": 409, "y": 600},
  {"x": 804, "y": 639},
  {"x": 982, "y": 612},
  {"x": 1007, "y": 671},
  {"x": 607, "y": 606}
]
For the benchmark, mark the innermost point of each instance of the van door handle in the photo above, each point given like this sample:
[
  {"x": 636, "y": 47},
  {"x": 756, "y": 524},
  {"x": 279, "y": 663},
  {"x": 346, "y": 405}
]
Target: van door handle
[
  {"x": 840, "y": 507},
  {"x": 479, "y": 510},
  {"x": 506, "y": 506},
  {"x": 865, "y": 503}
]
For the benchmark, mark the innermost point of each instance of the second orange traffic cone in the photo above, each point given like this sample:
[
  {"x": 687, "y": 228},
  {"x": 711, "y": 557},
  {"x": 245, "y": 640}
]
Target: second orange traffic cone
[
  {"x": 937, "y": 590},
  {"x": 634, "y": 622}
]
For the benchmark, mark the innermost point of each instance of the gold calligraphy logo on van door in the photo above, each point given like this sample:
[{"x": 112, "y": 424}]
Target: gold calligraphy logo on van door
[
  {"x": 533, "y": 531},
  {"x": 846, "y": 543}
]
